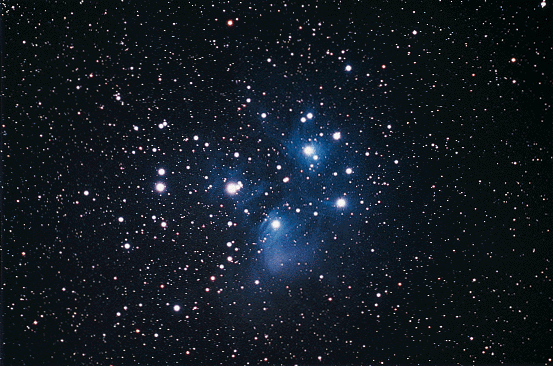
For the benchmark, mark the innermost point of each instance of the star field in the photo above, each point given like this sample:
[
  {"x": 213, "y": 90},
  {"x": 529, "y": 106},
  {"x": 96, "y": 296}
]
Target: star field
[{"x": 229, "y": 183}]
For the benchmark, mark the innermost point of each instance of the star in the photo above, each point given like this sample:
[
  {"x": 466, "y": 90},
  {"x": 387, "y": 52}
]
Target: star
[
  {"x": 308, "y": 150},
  {"x": 233, "y": 188},
  {"x": 160, "y": 187}
]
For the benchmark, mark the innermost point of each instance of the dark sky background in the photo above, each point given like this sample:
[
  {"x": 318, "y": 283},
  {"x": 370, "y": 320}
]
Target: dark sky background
[{"x": 343, "y": 183}]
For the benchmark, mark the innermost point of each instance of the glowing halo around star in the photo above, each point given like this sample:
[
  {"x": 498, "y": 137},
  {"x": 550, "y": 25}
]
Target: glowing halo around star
[
  {"x": 233, "y": 188},
  {"x": 341, "y": 202},
  {"x": 308, "y": 150},
  {"x": 160, "y": 187}
]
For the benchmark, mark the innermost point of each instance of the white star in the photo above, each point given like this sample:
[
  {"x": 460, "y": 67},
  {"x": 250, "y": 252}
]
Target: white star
[
  {"x": 308, "y": 150},
  {"x": 233, "y": 188},
  {"x": 160, "y": 187}
]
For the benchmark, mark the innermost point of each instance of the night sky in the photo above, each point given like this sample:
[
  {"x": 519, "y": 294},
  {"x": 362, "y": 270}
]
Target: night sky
[{"x": 270, "y": 183}]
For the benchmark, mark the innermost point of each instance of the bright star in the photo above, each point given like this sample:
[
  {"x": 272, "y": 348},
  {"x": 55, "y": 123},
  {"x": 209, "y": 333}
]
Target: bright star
[
  {"x": 341, "y": 202},
  {"x": 309, "y": 115},
  {"x": 308, "y": 150},
  {"x": 161, "y": 171},
  {"x": 275, "y": 224},
  {"x": 160, "y": 187},
  {"x": 176, "y": 308},
  {"x": 233, "y": 188},
  {"x": 336, "y": 135},
  {"x": 348, "y": 68}
]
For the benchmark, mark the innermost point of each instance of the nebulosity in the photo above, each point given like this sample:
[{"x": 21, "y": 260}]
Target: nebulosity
[
  {"x": 275, "y": 183},
  {"x": 294, "y": 194}
]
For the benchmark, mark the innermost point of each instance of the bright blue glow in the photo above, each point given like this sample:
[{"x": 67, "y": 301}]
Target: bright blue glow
[{"x": 309, "y": 150}]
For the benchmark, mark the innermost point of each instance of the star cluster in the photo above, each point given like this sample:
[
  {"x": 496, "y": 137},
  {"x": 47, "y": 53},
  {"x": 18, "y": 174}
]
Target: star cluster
[{"x": 283, "y": 184}]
